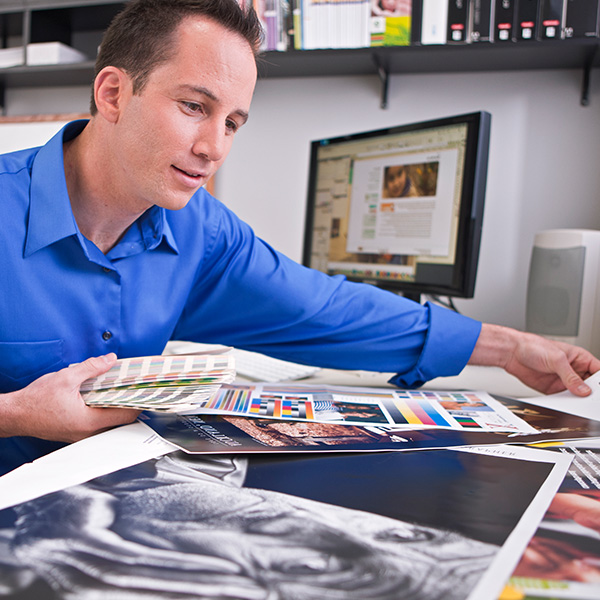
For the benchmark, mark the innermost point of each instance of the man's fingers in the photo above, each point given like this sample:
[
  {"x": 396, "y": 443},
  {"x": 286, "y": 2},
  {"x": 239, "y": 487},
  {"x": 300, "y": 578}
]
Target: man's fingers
[
  {"x": 573, "y": 382},
  {"x": 94, "y": 366}
]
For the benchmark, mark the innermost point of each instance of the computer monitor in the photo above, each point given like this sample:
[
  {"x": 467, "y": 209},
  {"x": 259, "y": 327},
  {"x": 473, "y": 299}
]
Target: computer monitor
[{"x": 402, "y": 207}]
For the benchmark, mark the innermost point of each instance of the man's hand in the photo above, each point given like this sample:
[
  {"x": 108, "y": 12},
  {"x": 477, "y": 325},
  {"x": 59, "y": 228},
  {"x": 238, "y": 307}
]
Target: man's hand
[
  {"x": 52, "y": 408},
  {"x": 543, "y": 365}
]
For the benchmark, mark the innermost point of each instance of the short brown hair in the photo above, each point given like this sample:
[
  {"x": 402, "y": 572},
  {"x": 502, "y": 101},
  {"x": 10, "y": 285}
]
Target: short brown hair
[{"x": 140, "y": 37}]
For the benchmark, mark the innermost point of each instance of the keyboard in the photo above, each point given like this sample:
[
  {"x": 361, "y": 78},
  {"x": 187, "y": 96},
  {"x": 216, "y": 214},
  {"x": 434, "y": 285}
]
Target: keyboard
[{"x": 259, "y": 367}]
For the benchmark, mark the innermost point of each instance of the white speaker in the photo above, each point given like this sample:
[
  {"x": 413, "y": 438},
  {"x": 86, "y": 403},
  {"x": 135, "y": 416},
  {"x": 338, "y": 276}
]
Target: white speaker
[{"x": 563, "y": 291}]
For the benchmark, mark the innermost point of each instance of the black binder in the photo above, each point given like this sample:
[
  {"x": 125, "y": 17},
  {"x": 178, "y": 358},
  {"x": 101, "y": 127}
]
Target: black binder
[
  {"x": 480, "y": 20},
  {"x": 527, "y": 20},
  {"x": 582, "y": 19},
  {"x": 504, "y": 15},
  {"x": 456, "y": 32},
  {"x": 552, "y": 19}
]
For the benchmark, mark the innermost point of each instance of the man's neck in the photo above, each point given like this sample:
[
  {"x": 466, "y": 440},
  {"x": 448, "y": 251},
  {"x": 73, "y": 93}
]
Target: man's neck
[{"x": 94, "y": 201}]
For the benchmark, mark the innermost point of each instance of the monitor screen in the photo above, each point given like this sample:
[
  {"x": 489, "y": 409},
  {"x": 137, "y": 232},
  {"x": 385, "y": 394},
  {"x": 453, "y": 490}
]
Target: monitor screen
[{"x": 401, "y": 207}]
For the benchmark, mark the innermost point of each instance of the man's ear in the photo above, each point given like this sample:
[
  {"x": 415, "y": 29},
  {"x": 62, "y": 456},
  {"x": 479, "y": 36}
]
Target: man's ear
[{"x": 111, "y": 89}]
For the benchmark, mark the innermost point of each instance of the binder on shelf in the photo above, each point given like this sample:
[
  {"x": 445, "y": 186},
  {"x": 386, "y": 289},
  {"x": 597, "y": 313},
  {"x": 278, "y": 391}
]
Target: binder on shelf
[
  {"x": 338, "y": 24},
  {"x": 456, "y": 30},
  {"x": 416, "y": 21},
  {"x": 504, "y": 16},
  {"x": 480, "y": 21},
  {"x": 271, "y": 24},
  {"x": 391, "y": 23},
  {"x": 272, "y": 15},
  {"x": 297, "y": 24},
  {"x": 287, "y": 23},
  {"x": 434, "y": 22},
  {"x": 312, "y": 13},
  {"x": 552, "y": 19},
  {"x": 353, "y": 20},
  {"x": 527, "y": 13},
  {"x": 582, "y": 19},
  {"x": 391, "y": 31}
]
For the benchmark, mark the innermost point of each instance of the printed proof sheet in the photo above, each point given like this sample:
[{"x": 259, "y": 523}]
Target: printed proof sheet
[{"x": 476, "y": 411}]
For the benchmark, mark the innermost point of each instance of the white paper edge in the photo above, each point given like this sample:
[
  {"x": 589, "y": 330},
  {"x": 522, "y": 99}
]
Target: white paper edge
[{"x": 82, "y": 461}]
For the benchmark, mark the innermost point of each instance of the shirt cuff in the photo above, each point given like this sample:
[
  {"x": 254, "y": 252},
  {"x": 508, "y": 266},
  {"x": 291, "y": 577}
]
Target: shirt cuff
[{"x": 449, "y": 343}]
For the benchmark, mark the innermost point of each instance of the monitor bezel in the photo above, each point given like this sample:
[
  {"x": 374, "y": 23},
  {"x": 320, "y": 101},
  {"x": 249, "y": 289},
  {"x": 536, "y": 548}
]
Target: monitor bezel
[{"x": 471, "y": 204}]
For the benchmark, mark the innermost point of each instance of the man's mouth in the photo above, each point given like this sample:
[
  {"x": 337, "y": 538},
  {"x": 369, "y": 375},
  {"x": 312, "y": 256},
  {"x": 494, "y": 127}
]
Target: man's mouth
[{"x": 194, "y": 175}]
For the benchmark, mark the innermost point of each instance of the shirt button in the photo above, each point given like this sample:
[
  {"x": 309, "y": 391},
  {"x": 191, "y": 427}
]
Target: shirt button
[
  {"x": 106, "y": 269},
  {"x": 106, "y": 336}
]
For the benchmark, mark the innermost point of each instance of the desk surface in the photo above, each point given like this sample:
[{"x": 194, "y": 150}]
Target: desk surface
[{"x": 489, "y": 379}]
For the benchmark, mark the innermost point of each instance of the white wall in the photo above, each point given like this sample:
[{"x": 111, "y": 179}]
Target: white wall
[
  {"x": 544, "y": 167},
  {"x": 544, "y": 164},
  {"x": 18, "y": 136}
]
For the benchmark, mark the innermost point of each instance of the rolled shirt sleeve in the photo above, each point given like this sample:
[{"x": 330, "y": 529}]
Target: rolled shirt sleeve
[{"x": 448, "y": 345}]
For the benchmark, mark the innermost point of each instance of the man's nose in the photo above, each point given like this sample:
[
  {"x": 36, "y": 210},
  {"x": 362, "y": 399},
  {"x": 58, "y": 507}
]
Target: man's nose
[{"x": 211, "y": 141}]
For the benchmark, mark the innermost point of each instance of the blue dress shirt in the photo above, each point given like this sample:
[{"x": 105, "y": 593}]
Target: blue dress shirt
[{"x": 197, "y": 274}]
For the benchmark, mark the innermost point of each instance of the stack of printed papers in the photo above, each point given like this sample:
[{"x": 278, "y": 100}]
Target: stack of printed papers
[{"x": 160, "y": 383}]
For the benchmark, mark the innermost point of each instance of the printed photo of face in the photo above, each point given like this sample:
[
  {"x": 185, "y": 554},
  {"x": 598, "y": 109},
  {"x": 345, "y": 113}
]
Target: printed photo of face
[{"x": 185, "y": 528}]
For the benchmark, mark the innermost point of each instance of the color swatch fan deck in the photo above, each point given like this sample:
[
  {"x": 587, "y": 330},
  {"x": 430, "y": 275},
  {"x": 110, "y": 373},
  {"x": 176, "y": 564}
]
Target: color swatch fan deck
[{"x": 160, "y": 383}]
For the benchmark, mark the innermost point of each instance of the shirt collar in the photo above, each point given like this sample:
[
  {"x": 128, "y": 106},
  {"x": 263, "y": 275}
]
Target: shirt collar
[
  {"x": 147, "y": 233},
  {"x": 156, "y": 229},
  {"x": 51, "y": 217}
]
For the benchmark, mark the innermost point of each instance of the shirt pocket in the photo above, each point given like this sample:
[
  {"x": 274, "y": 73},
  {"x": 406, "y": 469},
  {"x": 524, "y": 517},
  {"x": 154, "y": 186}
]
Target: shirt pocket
[{"x": 23, "y": 362}]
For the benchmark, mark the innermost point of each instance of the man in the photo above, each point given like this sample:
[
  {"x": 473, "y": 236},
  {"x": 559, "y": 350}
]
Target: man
[{"x": 110, "y": 247}]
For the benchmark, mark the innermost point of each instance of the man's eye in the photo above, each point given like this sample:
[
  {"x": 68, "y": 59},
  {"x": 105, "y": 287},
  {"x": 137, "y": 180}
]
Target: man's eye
[
  {"x": 193, "y": 107},
  {"x": 232, "y": 126}
]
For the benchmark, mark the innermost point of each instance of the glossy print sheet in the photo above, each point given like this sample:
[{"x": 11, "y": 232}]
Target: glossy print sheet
[{"x": 472, "y": 411}]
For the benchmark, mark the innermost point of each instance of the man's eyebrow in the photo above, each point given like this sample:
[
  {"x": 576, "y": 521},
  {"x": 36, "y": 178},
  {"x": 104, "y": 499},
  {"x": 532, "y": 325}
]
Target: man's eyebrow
[{"x": 206, "y": 92}]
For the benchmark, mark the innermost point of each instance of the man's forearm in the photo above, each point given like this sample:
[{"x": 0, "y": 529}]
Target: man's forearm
[
  {"x": 51, "y": 407},
  {"x": 494, "y": 346},
  {"x": 9, "y": 416}
]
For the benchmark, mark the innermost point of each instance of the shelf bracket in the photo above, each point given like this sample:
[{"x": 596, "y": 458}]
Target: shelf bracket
[
  {"x": 587, "y": 72},
  {"x": 384, "y": 76}
]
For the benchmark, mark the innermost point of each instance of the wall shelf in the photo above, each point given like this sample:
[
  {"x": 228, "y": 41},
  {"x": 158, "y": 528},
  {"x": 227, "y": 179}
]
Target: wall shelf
[
  {"x": 80, "y": 23},
  {"x": 363, "y": 61},
  {"x": 566, "y": 54}
]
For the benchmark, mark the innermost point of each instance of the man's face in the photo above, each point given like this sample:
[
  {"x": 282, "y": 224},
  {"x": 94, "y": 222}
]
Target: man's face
[{"x": 175, "y": 134}]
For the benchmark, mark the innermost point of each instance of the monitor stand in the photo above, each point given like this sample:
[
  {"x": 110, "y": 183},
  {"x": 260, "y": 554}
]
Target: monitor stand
[{"x": 412, "y": 296}]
